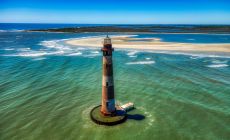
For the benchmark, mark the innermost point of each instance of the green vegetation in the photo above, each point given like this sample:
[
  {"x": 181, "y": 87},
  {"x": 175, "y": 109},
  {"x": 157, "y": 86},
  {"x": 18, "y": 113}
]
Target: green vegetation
[{"x": 146, "y": 29}]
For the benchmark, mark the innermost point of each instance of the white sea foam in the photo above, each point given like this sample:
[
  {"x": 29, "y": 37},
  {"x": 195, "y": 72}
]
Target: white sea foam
[
  {"x": 217, "y": 65},
  {"x": 81, "y": 48},
  {"x": 60, "y": 45},
  {"x": 28, "y": 54},
  {"x": 9, "y": 49},
  {"x": 132, "y": 53},
  {"x": 132, "y": 56},
  {"x": 35, "y": 53},
  {"x": 75, "y": 54},
  {"x": 55, "y": 44},
  {"x": 141, "y": 63},
  {"x": 196, "y": 57},
  {"x": 219, "y": 61},
  {"x": 68, "y": 50},
  {"x": 23, "y": 49},
  {"x": 147, "y": 58},
  {"x": 3, "y": 31},
  {"x": 40, "y": 58},
  {"x": 95, "y": 52},
  {"x": 91, "y": 55},
  {"x": 52, "y": 47},
  {"x": 193, "y": 55},
  {"x": 11, "y": 30},
  {"x": 16, "y": 30}
]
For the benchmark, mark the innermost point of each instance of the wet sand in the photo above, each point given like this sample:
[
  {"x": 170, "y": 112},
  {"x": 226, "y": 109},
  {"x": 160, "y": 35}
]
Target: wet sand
[{"x": 150, "y": 44}]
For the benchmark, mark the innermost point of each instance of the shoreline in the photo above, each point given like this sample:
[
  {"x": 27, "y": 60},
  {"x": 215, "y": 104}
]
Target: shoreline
[
  {"x": 210, "y": 33},
  {"x": 143, "y": 29},
  {"x": 154, "y": 44}
]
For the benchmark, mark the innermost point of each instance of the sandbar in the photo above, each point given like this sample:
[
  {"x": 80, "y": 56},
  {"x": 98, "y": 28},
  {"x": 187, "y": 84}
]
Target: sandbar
[{"x": 130, "y": 42}]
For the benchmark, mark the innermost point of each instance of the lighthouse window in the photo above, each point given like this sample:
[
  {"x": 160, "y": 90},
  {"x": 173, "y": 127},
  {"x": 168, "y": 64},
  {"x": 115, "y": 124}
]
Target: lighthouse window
[
  {"x": 107, "y": 84},
  {"x": 106, "y": 53}
]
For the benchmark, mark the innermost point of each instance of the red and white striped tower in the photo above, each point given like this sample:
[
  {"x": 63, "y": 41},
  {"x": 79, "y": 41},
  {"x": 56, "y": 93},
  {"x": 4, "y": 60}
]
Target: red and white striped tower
[
  {"x": 108, "y": 102},
  {"x": 108, "y": 113}
]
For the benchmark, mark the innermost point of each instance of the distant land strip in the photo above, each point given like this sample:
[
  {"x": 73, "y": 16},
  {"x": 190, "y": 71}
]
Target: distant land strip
[{"x": 220, "y": 29}]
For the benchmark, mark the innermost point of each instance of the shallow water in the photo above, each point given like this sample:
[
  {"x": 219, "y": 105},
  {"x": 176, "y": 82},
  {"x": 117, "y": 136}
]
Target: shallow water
[{"x": 47, "y": 89}]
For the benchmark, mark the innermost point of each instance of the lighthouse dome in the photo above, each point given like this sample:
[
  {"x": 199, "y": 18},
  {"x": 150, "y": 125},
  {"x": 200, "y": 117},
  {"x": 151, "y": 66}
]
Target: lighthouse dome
[{"x": 107, "y": 40}]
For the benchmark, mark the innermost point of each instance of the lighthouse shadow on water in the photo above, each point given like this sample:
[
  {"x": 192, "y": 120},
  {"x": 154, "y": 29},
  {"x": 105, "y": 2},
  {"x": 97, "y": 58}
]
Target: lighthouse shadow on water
[{"x": 137, "y": 117}]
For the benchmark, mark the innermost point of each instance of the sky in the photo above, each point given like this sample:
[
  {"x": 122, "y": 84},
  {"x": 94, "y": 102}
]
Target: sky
[{"x": 116, "y": 11}]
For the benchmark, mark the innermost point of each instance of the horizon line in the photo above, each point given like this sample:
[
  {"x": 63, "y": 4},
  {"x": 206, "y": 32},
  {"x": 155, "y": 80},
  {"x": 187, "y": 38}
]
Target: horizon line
[{"x": 115, "y": 23}]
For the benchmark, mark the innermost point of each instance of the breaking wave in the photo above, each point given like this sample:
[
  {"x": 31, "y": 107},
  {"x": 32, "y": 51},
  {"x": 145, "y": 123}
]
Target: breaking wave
[
  {"x": 132, "y": 53},
  {"x": 95, "y": 52},
  {"x": 219, "y": 62},
  {"x": 39, "y": 58},
  {"x": 217, "y": 65},
  {"x": 51, "y": 47},
  {"x": 58, "y": 47},
  {"x": 8, "y": 49},
  {"x": 75, "y": 54},
  {"x": 23, "y": 49},
  {"x": 193, "y": 55},
  {"x": 92, "y": 55},
  {"x": 55, "y": 44},
  {"x": 11, "y": 30},
  {"x": 141, "y": 63},
  {"x": 31, "y": 54}
]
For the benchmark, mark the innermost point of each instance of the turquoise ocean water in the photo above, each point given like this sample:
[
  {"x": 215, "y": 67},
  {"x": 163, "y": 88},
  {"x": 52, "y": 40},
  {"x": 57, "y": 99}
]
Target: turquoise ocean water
[{"x": 47, "y": 89}]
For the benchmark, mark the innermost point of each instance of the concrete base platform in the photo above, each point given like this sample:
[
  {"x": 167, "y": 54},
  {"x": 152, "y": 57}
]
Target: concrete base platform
[{"x": 98, "y": 118}]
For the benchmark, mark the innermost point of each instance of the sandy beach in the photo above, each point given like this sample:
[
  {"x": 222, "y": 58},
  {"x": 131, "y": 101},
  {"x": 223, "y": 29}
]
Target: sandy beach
[{"x": 150, "y": 44}]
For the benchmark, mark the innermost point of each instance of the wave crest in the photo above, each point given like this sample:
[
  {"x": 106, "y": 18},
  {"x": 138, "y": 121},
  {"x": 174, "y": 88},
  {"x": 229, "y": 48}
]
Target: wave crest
[
  {"x": 217, "y": 65},
  {"x": 141, "y": 63}
]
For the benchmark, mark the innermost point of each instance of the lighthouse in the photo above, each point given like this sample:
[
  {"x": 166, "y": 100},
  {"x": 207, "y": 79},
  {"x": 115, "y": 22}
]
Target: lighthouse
[
  {"x": 108, "y": 113},
  {"x": 108, "y": 101}
]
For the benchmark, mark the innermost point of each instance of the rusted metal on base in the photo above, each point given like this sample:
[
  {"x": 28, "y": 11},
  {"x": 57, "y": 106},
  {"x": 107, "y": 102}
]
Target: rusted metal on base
[
  {"x": 117, "y": 118},
  {"x": 110, "y": 114}
]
